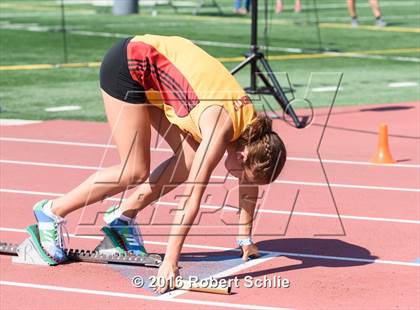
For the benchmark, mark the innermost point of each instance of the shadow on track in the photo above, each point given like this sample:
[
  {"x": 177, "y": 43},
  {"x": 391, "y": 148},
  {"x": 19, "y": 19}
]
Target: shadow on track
[{"x": 332, "y": 253}]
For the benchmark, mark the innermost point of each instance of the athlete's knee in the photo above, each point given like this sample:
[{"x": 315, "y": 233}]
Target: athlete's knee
[{"x": 134, "y": 175}]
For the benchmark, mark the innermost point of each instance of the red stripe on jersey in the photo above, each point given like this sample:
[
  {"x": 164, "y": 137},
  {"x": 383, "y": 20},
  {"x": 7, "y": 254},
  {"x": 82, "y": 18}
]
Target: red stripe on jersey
[{"x": 153, "y": 70}]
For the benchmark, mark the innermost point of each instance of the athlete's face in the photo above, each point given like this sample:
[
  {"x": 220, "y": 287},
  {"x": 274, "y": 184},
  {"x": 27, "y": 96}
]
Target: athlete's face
[{"x": 234, "y": 163}]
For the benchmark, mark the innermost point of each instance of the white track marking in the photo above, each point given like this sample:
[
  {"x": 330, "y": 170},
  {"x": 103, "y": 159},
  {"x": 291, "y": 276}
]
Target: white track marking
[
  {"x": 403, "y": 84},
  {"x": 134, "y": 296},
  {"x": 167, "y": 150},
  {"x": 227, "y": 272},
  {"x": 275, "y": 253},
  {"x": 351, "y": 162},
  {"x": 217, "y": 177},
  {"x": 313, "y": 214},
  {"x": 16, "y": 122},
  {"x": 336, "y": 185},
  {"x": 325, "y": 89},
  {"x": 64, "y": 108},
  {"x": 51, "y": 165},
  {"x": 9, "y": 139},
  {"x": 213, "y": 207}
]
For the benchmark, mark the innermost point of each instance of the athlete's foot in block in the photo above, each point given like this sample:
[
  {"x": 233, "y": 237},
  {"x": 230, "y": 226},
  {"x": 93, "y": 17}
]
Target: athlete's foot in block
[
  {"x": 126, "y": 230},
  {"x": 50, "y": 228}
]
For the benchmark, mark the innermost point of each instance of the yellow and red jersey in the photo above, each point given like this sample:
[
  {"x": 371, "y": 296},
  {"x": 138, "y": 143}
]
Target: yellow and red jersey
[{"x": 184, "y": 80}]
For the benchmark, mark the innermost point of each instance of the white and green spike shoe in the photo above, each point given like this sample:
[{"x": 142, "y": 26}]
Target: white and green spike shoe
[
  {"x": 50, "y": 231},
  {"x": 122, "y": 231}
]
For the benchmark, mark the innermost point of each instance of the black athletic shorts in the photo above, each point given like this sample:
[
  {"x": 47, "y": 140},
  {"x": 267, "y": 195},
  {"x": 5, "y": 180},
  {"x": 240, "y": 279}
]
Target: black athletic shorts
[{"x": 115, "y": 78}]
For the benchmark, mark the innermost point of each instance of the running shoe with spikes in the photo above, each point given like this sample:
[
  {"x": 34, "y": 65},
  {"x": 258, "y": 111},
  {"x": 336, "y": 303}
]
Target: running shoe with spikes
[
  {"x": 50, "y": 229},
  {"x": 126, "y": 230}
]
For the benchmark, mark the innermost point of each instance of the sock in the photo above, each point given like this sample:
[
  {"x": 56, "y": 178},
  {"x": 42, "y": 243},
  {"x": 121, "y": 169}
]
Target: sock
[
  {"x": 47, "y": 210},
  {"x": 117, "y": 214},
  {"x": 126, "y": 219}
]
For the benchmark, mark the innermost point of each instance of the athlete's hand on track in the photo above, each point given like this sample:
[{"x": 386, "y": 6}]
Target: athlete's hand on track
[
  {"x": 166, "y": 277},
  {"x": 250, "y": 252}
]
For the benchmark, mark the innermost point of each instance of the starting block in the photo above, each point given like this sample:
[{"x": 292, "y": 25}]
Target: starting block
[
  {"x": 31, "y": 252},
  {"x": 110, "y": 244},
  {"x": 110, "y": 251}
]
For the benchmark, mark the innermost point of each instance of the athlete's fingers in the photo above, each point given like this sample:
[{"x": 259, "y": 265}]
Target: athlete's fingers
[{"x": 250, "y": 252}]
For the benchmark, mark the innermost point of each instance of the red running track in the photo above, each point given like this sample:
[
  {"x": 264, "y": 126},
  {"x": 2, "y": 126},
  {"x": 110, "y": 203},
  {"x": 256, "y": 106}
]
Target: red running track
[{"x": 369, "y": 260}]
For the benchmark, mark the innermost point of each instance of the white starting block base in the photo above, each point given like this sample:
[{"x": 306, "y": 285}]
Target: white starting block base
[{"x": 28, "y": 253}]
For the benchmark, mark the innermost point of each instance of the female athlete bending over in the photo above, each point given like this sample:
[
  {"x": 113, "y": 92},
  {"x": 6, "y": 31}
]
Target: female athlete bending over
[{"x": 201, "y": 111}]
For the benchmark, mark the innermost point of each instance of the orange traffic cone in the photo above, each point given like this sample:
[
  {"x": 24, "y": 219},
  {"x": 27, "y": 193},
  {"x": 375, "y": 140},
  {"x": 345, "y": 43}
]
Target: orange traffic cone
[{"x": 383, "y": 155}]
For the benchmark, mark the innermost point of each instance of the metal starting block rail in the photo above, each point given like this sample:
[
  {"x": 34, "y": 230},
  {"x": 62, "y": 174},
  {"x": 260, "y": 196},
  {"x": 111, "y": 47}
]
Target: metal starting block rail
[{"x": 30, "y": 252}]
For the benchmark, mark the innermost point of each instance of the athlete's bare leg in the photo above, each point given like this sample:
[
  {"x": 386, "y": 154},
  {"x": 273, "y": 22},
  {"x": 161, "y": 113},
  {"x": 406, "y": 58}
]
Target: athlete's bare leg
[
  {"x": 279, "y": 6},
  {"x": 351, "y": 6},
  {"x": 170, "y": 173},
  {"x": 130, "y": 125},
  {"x": 298, "y": 6},
  {"x": 374, "y": 4}
]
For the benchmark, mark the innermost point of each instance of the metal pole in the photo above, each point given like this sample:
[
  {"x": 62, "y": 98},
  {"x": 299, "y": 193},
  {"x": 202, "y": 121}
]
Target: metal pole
[
  {"x": 125, "y": 7},
  {"x": 317, "y": 26},
  {"x": 63, "y": 30},
  {"x": 254, "y": 42}
]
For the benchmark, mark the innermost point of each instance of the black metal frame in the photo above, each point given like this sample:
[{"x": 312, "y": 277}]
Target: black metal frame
[{"x": 272, "y": 85}]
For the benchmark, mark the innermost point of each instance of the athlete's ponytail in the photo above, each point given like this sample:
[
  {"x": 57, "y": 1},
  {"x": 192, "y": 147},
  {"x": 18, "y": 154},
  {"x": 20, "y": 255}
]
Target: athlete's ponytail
[{"x": 266, "y": 153}]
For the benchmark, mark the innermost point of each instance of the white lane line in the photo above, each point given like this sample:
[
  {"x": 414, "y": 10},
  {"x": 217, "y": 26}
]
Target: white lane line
[
  {"x": 44, "y": 14},
  {"x": 337, "y": 185},
  {"x": 326, "y": 89},
  {"x": 133, "y": 296},
  {"x": 213, "y": 207},
  {"x": 275, "y": 253},
  {"x": 167, "y": 150},
  {"x": 70, "y": 143},
  {"x": 403, "y": 84},
  {"x": 312, "y": 214},
  {"x": 51, "y": 165},
  {"x": 352, "y": 162},
  {"x": 16, "y": 122},
  {"x": 218, "y": 177},
  {"x": 64, "y": 108}
]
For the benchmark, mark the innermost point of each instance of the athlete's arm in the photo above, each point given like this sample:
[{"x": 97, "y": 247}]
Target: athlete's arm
[
  {"x": 248, "y": 195},
  {"x": 216, "y": 130}
]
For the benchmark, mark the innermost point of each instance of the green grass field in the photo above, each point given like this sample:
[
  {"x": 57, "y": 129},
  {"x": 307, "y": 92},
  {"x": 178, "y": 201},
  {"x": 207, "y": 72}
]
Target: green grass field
[{"x": 369, "y": 58}]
